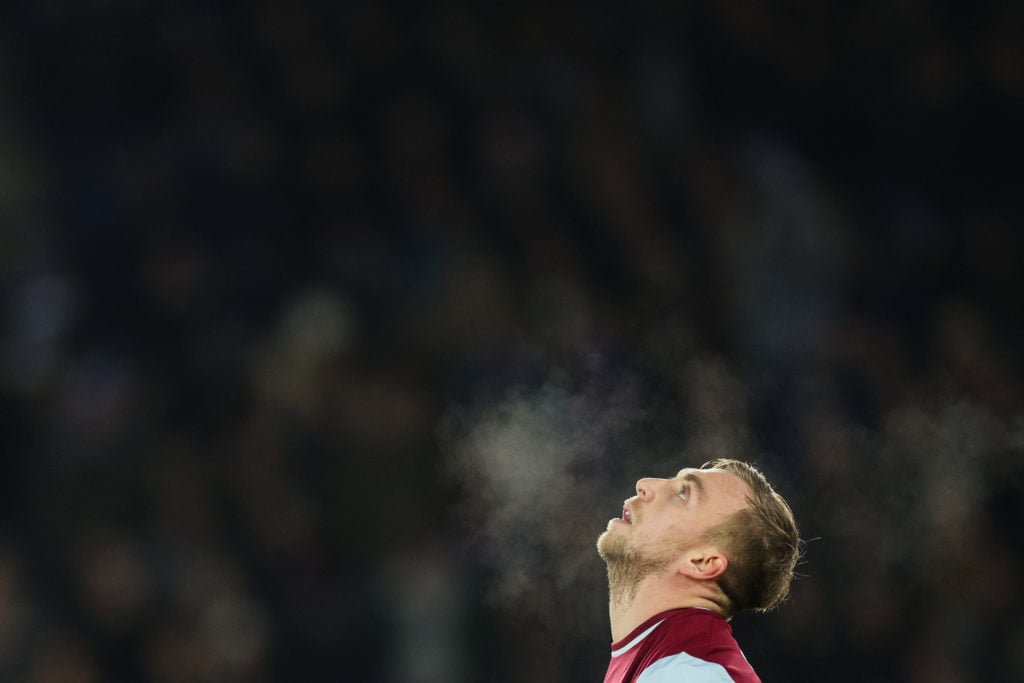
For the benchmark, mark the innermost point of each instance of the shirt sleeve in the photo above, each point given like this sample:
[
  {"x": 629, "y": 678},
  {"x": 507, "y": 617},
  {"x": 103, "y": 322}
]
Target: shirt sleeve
[{"x": 684, "y": 668}]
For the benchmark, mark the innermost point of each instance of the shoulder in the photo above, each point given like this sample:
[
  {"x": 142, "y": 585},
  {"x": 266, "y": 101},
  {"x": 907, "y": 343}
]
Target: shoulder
[
  {"x": 696, "y": 646},
  {"x": 684, "y": 667}
]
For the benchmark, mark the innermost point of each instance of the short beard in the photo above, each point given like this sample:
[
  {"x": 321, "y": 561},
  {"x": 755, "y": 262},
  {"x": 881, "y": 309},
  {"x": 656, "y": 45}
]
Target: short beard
[{"x": 627, "y": 569}]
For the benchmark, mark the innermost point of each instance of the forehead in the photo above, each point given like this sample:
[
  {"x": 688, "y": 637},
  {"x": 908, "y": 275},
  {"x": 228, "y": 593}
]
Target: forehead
[{"x": 719, "y": 486}]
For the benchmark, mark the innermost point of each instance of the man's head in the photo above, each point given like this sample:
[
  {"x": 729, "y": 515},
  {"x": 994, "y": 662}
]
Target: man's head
[{"x": 721, "y": 528}]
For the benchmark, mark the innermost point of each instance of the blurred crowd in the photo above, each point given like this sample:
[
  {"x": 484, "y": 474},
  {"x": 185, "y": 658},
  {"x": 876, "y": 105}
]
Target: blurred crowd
[{"x": 251, "y": 254}]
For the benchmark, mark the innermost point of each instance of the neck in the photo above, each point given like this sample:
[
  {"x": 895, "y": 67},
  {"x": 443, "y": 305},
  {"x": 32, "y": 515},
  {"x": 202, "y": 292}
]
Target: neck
[{"x": 630, "y": 605}]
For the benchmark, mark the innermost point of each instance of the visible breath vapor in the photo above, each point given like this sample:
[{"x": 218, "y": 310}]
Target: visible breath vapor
[
  {"x": 534, "y": 469},
  {"x": 543, "y": 469}
]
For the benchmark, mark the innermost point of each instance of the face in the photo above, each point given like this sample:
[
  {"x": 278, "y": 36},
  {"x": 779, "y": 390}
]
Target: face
[{"x": 669, "y": 516}]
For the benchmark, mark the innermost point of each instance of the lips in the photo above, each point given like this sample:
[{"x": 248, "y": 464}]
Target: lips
[{"x": 627, "y": 514}]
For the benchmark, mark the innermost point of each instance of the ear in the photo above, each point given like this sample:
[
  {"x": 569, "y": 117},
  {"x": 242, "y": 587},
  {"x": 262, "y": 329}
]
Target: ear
[{"x": 704, "y": 563}]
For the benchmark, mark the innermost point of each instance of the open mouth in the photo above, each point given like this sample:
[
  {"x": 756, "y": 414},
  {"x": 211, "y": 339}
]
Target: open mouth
[{"x": 627, "y": 514}]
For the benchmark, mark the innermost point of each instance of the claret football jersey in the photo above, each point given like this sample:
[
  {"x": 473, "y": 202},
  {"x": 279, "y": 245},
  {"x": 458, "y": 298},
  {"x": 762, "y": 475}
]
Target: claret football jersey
[{"x": 688, "y": 645}]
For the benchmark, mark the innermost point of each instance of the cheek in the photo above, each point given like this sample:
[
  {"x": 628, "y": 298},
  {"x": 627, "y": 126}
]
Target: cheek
[
  {"x": 662, "y": 536},
  {"x": 682, "y": 534}
]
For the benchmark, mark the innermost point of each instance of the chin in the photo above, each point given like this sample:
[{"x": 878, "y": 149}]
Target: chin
[{"x": 610, "y": 544}]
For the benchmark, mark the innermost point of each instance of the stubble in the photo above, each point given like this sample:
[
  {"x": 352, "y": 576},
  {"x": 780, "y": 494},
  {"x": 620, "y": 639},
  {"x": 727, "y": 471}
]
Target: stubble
[{"x": 628, "y": 567}]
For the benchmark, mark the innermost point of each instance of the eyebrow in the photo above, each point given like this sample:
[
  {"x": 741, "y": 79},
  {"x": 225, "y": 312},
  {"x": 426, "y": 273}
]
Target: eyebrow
[{"x": 693, "y": 479}]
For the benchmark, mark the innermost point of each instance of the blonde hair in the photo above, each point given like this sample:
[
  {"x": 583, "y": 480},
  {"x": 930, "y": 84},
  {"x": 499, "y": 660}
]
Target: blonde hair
[{"x": 761, "y": 541}]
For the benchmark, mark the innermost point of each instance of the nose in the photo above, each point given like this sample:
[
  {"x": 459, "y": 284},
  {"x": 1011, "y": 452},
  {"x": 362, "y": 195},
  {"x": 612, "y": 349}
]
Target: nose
[{"x": 645, "y": 488}]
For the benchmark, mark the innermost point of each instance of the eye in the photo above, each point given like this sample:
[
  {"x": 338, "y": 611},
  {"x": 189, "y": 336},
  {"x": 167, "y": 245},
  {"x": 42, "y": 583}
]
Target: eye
[{"x": 684, "y": 492}]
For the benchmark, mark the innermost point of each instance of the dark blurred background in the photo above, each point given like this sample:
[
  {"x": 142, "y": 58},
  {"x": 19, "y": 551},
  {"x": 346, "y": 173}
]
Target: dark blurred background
[{"x": 254, "y": 257}]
